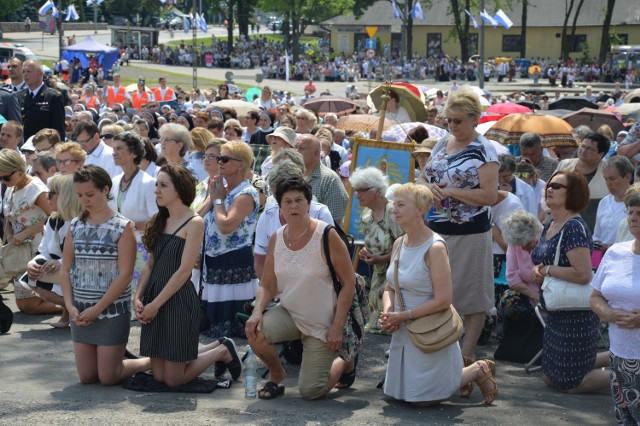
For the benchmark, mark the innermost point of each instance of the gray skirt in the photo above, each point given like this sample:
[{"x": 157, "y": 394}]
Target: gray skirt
[
  {"x": 471, "y": 260},
  {"x": 103, "y": 332}
]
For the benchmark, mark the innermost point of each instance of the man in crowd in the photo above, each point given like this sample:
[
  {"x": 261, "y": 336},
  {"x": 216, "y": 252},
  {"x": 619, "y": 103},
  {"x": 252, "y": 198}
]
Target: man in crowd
[
  {"x": 115, "y": 93},
  {"x": 15, "y": 74},
  {"x": 325, "y": 183},
  {"x": 10, "y": 135},
  {"x": 140, "y": 97},
  {"x": 42, "y": 107},
  {"x": 163, "y": 93},
  {"x": 531, "y": 149},
  {"x": 9, "y": 106},
  {"x": 98, "y": 153}
]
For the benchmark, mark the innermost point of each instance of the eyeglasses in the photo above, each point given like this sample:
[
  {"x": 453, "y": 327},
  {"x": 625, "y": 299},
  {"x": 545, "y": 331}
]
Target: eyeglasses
[
  {"x": 117, "y": 110},
  {"x": 224, "y": 159},
  {"x": 7, "y": 178},
  {"x": 455, "y": 121},
  {"x": 65, "y": 162},
  {"x": 167, "y": 140},
  {"x": 52, "y": 194},
  {"x": 524, "y": 175},
  {"x": 588, "y": 148},
  {"x": 361, "y": 190},
  {"x": 38, "y": 150},
  {"x": 210, "y": 157},
  {"x": 107, "y": 136},
  {"x": 556, "y": 186}
]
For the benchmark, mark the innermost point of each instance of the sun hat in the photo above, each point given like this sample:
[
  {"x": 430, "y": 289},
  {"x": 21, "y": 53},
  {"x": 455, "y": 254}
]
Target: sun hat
[
  {"x": 283, "y": 132},
  {"x": 426, "y": 147}
]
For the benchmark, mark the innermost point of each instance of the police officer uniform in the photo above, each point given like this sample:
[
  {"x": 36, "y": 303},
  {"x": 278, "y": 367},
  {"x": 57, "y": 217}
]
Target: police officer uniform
[
  {"x": 44, "y": 111},
  {"x": 9, "y": 106}
]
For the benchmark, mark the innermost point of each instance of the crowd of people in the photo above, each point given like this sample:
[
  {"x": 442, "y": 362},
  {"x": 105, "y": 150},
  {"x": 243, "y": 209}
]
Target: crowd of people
[{"x": 124, "y": 205}]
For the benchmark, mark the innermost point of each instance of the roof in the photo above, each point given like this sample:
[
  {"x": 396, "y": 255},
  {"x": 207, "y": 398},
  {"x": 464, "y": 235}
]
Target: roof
[
  {"x": 90, "y": 45},
  {"x": 541, "y": 13}
]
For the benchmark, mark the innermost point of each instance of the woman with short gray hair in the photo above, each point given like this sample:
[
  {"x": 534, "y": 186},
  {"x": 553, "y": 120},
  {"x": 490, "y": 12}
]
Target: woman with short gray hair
[
  {"x": 618, "y": 175},
  {"x": 380, "y": 230},
  {"x": 175, "y": 142}
]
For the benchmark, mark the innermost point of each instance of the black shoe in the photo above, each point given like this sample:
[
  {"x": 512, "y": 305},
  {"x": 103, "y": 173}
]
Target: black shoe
[
  {"x": 219, "y": 368},
  {"x": 129, "y": 355},
  {"x": 235, "y": 366}
]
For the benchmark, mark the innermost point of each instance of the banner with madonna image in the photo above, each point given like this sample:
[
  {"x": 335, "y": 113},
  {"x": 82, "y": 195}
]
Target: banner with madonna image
[{"x": 392, "y": 158}]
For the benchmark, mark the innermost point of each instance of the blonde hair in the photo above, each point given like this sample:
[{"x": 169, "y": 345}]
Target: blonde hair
[
  {"x": 11, "y": 161},
  {"x": 463, "y": 101},
  {"x": 200, "y": 138},
  {"x": 114, "y": 129},
  {"x": 73, "y": 148},
  {"x": 68, "y": 202},
  {"x": 421, "y": 196},
  {"x": 241, "y": 151}
]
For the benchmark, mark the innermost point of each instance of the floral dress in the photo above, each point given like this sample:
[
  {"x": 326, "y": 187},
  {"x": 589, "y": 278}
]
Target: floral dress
[
  {"x": 20, "y": 210},
  {"x": 379, "y": 237}
]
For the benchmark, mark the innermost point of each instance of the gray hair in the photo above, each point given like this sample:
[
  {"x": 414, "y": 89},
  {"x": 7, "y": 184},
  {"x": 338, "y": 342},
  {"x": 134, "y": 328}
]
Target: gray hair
[
  {"x": 520, "y": 228},
  {"x": 632, "y": 196},
  {"x": 530, "y": 140},
  {"x": 179, "y": 133},
  {"x": 582, "y": 131},
  {"x": 46, "y": 160},
  {"x": 282, "y": 171},
  {"x": 507, "y": 163},
  {"x": 621, "y": 163},
  {"x": 370, "y": 177},
  {"x": 291, "y": 155}
]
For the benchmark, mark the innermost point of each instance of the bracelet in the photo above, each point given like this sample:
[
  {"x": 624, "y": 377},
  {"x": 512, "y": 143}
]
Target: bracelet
[
  {"x": 410, "y": 314},
  {"x": 546, "y": 273}
]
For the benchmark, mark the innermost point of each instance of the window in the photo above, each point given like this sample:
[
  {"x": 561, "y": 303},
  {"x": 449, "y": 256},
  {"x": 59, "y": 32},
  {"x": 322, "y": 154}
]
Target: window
[
  {"x": 576, "y": 42},
  {"x": 473, "y": 44},
  {"x": 434, "y": 44},
  {"x": 511, "y": 43}
]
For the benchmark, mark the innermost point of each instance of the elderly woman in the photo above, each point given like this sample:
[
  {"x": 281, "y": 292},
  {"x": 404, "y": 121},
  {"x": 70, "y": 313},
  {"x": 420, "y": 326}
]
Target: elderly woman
[
  {"x": 283, "y": 137},
  {"x": 616, "y": 300},
  {"x": 380, "y": 230},
  {"x": 463, "y": 175},
  {"x": 69, "y": 157},
  {"x": 309, "y": 308},
  {"x": 591, "y": 151},
  {"x": 618, "y": 175},
  {"x": 424, "y": 278},
  {"x": 25, "y": 205},
  {"x": 577, "y": 370},
  {"x": 175, "y": 143},
  {"x": 65, "y": 205},
  {"x": 305, "y": 121},
  {"x": 273, "y": 218},
  {"x": 132, "y": 192},
  {"x": 230, "y": 221}
]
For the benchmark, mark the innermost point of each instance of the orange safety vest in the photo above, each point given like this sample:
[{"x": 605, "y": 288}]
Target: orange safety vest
[
  {"x": 113, "y": 97},
  {"x": 138, "y": 100},
  {"x": 90, "y": 102},
  {"x": 168, "y": 94}
]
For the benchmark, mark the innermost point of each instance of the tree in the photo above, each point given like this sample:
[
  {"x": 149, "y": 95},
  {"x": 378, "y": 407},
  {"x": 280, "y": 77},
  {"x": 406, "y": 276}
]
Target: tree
[
  {"x": 523, "y": 29},
  {"x": 461, "y": 25},
  {"x": 605, "y": 43},
  {"x": 566, "y": 42}
]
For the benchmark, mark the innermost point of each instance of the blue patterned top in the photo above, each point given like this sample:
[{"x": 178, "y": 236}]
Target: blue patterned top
[
  {"x": 575, "y": 233},
  {"x": 96, "y": 264},
  {"x": 217, "y": 243}
]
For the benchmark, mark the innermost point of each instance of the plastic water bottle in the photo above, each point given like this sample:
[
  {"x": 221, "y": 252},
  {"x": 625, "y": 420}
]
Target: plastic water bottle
[{"x": 250, "y": 374}]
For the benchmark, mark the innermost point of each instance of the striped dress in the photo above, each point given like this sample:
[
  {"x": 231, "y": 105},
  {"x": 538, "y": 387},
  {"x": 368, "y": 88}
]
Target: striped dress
[{"x": 173, "y": 333}]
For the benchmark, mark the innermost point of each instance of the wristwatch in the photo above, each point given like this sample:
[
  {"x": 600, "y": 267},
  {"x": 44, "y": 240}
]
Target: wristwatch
[{"x": 217, "y": 202}]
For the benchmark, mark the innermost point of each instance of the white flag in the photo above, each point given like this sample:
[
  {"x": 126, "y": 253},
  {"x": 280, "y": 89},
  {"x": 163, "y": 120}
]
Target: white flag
[
  {"x": 503, "y": 19},
  {"x": 416, "y": 12},
  {"x": 473, "y": 20},
  {"x": 487, "y": 18},
  {"x": 286, "y": 66},
  {"x": 396, "y": 10}
]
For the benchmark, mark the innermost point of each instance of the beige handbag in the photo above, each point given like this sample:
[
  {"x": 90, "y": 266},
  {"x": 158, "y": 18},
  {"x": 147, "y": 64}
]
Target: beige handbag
[
  {"x": 14, "y": 258},
  {"x": 432, "y": 332}
]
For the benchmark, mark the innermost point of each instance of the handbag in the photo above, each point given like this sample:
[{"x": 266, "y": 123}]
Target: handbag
[
  {"x": 432, "y": 332},
  {"x": 14, "y": 257},
  {"x": 353, "y": 332},
  {"x": 561, "y": 295}
]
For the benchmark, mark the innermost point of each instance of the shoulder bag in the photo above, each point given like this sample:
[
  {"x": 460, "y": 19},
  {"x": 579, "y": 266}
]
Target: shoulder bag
[
  {"x": 433, "y": 332},
  {"x": 561, "y": 295},
  {"x": 353, "y": 332}
]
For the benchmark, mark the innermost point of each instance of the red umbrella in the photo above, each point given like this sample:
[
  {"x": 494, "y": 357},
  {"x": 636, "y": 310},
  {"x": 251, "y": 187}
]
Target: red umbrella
[
  {"x": 507, "y": 108},
  {"x": 411, "y": 98}
]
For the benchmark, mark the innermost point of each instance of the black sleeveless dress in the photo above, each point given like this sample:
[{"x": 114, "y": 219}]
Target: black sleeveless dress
[{"x": 174, "y": 333}]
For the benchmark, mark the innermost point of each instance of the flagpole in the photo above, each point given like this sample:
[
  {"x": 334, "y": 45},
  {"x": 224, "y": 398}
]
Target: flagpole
[
  {"x": 95, "y": 16},
  {"x": 481, "y": 70},
  {"x": 60, "y": 30},
  {"x": 194, "y": 61}
]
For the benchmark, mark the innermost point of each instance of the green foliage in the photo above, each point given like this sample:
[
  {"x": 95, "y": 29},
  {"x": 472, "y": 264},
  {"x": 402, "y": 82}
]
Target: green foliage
[
  {"x": 10, "y": 9},
  {"x": 614, "y": 38}
]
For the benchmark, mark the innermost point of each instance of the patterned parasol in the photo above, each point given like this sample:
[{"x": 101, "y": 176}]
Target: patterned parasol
[
  {"x": 362, "y": 123},
  {"x": 554, "y": 131}
]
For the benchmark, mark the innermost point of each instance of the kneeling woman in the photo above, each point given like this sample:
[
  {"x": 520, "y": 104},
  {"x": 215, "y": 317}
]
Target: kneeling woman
[
  {"x": 424, "y": 279},
  {"x": 97, "y": 266},
  {"x": 166, "y": 303}
]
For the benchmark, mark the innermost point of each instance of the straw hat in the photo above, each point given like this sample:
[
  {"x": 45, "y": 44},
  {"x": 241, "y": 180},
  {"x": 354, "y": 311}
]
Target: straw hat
[
  {"x": 426, "y": 147},
  {"x": 283, "y": 132}
]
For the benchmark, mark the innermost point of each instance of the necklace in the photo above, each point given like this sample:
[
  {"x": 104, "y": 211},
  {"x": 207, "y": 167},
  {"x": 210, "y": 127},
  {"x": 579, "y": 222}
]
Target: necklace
[
  {"x": 125, "y": 182},
  {"x": 300, "y": 236}
]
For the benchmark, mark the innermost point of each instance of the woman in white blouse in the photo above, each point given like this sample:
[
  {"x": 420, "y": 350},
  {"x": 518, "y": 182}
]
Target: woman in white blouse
[{"x": 132, "y": 191}]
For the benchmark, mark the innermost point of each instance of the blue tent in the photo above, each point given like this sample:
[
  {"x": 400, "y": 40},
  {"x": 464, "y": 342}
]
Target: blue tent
[{"x": 106, "y": 55}]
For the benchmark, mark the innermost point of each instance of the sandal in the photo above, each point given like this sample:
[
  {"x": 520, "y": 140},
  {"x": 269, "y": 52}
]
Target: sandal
[
  {"x": 489, "y": 395},
  {"x": 347, "y": 379},
  {"x": 465, "y": 391},
  {"x": 271, "y": 390}
]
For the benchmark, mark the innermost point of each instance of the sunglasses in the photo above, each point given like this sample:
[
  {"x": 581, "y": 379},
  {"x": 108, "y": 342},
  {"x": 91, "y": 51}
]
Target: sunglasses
[
  {"x": 555, "y": 186},
  {"x": 525, "y": 175},
  {"x": 7, "y": 178},
  {"x": 65, "y": 162},
  {"x": 224, "y": 159},
  {"x": 52, "y": 194},
  {"x": 361, "y": 190},
  {"x": 107, "y": 136},
  {"x": 117, "y": 110},
  {"x": 455, "y": 121}
]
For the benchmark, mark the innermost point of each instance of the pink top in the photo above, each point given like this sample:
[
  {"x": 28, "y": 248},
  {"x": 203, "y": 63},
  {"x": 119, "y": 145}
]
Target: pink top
[
  {"x": 519, "y": 266},
  {"x": 305, "y": 285}
]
